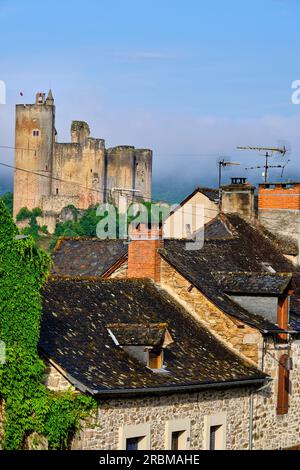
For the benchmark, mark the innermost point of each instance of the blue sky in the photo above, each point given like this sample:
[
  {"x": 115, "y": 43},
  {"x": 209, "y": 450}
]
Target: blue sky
[{"x": 191, "y": 79}]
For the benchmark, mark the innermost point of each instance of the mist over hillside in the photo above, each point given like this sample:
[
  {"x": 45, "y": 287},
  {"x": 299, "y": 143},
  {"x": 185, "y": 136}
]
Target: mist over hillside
[
  {"x": 174, "y": 187},
  {"x": 6, "y": 181}
]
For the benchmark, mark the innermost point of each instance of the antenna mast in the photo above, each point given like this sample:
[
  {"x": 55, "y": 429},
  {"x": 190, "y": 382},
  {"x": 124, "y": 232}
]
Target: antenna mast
[
  {"x": 223, "y": 164},
  {"x": 269, "y": 151}
]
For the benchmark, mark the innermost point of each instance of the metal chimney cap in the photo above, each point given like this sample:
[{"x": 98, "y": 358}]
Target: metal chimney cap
[{"x": 238, "y": 180}]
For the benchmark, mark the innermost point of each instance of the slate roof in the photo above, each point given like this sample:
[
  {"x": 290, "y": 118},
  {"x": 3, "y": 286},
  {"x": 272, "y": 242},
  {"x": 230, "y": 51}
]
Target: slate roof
[
  {"x": 253, "y": 283},
  {"x": 88, "y": 257},
  {"x": 211, "y": 193},
  {"x": 74, "y": 336},
  {"x": 287, "y": 245},
  {"x": 136, "y": 334},
  {"x": 231, "y": 245}
]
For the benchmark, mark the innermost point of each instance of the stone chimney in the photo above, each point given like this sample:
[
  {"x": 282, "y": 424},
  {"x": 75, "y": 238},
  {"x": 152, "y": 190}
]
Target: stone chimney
[
  {"x": 143, "y": 258},
  {"x": 238, "y": 197}
]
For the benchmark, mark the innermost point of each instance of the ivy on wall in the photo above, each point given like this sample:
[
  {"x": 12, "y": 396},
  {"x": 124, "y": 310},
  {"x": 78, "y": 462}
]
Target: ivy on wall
[{"x": 29, "y": 406}]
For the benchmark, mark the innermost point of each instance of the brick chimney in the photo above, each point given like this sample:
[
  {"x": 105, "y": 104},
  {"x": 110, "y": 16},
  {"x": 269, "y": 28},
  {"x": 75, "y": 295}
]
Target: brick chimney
[
  {"x": 143, "y": 258},
  {"x": 238, "y": 197},
  {"x": 279, "y": 212}
]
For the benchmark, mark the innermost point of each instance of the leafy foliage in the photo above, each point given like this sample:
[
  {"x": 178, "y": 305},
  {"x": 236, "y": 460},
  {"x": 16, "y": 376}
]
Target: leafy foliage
[
  {"x": 8, "y": 199},
  {"x": 33, "y": 229},
  {"x": 29, "y": 406},
  {"x": 86, "y": 225}
]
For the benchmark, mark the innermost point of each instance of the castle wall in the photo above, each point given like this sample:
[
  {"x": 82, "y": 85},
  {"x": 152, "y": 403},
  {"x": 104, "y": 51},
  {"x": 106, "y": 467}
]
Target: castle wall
[
  {"x": 143, "y": 173},
  {"x": 33, "y": 153},
  {"x": 83, "y": 166},
  {"x": 119, "y": 171}
]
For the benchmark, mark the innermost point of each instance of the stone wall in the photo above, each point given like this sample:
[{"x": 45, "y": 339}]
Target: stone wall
[
  {"x": 103, "y": 433},
  {"x": 55, "y": 380},
  {"x": 242, "y": 338},
  {"x": 272, "y": 431}
]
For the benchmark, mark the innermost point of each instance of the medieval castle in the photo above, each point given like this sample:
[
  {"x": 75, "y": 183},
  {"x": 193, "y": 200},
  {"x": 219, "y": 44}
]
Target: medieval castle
[{"x": 52, "y": 175}]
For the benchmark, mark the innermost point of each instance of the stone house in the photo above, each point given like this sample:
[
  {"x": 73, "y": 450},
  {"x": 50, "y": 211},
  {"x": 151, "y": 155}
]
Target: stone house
[
  {"x": 163, "y": 381},
  {"x": 184, "y": 219},
  {"x": 245, "y": 292}
]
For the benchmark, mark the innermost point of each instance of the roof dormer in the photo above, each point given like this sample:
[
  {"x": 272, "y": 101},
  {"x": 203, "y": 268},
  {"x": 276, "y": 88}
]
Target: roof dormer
[{"x": 144, "y": 342}]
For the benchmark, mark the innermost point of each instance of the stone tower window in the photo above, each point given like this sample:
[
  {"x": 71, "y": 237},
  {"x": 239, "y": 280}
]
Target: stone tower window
[
  {"x": 35, "y": 133},
  {"x": 56, "y": 191}
]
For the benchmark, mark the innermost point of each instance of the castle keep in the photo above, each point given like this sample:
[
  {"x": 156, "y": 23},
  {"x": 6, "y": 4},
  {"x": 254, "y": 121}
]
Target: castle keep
[{"x": 80, "y": 173}]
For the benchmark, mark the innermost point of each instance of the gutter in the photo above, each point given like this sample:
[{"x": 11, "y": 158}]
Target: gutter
[
  {"x": 157, "y": 390},
  {"x": 181, "y": 388},
  {"x": 167, "y": 389}
]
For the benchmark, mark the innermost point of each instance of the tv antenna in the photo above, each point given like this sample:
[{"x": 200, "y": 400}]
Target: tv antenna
[
  {"x": 268, "y": 153},
  {"x": 224, "y": 163}
]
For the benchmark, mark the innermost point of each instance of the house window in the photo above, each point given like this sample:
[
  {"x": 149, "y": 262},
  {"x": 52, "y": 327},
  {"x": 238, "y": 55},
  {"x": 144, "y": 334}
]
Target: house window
[
  {"x": 215, "y": 432},
  {"x": 178, "y": 434},
  {"x": 134, "y": 437},
  {"x": 35, "y": 133},
  {"x": 175, "y": 440},
  {"x": 132, "y": 443},
  {"x": 283, "y": 386},
  {"x": 213, "y": 437},
  {"x": 155, "y": 359}
]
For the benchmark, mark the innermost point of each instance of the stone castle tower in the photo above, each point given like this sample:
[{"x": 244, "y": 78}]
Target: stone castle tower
[{"x": 80, "y": 173}]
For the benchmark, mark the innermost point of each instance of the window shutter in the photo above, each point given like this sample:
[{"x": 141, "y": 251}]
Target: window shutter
[
  {"x": 283, "y": 386},
  {"x": 283, "y": 316}
]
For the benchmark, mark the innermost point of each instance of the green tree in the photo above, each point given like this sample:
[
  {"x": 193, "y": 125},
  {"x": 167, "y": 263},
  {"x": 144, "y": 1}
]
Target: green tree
[{"x": 8, "y": 199}]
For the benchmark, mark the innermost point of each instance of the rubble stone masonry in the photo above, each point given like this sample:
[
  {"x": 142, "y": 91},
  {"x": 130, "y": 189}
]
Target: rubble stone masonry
[
  {"x": 237, "y": 335},
  {"x": 113, "y": 416}
]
